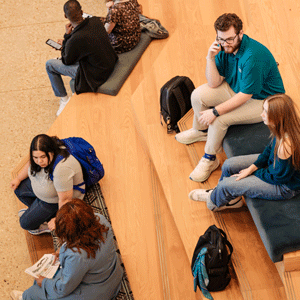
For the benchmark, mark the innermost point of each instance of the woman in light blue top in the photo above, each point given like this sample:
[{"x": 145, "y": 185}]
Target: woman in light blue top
[
  {"x": 272, "y": 175},
  {"x": 90, "y": 268}
]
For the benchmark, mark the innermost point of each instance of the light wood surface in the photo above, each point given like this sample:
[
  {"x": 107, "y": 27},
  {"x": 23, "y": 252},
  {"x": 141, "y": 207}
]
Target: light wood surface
[
  {"x": 292, "y": 261},
  {"x": 146, "y": 182}
]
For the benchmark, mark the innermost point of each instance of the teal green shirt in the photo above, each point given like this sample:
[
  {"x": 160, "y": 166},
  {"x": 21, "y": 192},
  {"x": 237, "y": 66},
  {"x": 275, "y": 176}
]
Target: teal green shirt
[{"x": 253, "y": 70}]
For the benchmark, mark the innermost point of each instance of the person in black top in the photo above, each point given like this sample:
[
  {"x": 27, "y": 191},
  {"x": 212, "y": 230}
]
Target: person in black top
[{"x": 86, "y": 55}]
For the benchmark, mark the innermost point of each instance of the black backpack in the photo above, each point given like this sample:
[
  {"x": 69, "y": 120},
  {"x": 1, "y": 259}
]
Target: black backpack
[
  {"x": 175, "y": 101},
  {"x": 217, "y": 258}
]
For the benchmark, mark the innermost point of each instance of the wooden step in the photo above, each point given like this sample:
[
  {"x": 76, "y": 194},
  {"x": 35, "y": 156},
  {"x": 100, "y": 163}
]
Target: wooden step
[
  {"x": 151, "y": 260},
  {"x": 173, "y": 166}
]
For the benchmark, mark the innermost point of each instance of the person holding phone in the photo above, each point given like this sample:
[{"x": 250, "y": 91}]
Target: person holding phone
[
  {"x": 86, "y": 56},
  {"x": 238, "y": 77},
  {"x": 271, "y": 175}
]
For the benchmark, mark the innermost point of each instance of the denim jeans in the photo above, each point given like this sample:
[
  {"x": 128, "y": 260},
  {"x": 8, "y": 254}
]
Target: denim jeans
[
  {"x": 38, "y": 211},
  {"x": 55, "y": 68},
  {"x": 228, "y": 188}
]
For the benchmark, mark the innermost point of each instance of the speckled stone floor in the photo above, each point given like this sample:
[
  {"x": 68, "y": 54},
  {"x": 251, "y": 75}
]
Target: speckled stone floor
[{"x": 28, "y": 107}]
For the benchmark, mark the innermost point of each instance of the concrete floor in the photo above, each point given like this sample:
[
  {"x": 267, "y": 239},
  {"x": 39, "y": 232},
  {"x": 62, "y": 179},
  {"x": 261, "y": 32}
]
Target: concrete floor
[{"x": 28, "y": 108}]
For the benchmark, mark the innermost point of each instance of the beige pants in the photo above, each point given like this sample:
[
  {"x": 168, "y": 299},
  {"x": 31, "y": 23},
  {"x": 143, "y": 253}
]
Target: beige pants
[{"x": 205, "y": 97}]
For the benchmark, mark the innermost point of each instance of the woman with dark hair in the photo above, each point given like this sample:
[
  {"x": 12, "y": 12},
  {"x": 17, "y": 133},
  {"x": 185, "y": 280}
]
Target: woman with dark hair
[
  {"x": 90, "y": 268},
  {"x": 272, "y": 175},
  {"x": 36, "y": 190}
]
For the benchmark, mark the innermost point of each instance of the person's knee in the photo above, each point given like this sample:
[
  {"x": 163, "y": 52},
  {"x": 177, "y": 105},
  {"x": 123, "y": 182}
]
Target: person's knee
[
  {"x": 25, "y": 223},
  {"x": 226, "y": 167},
  {"x": 198, "y": 93},
  {"x": 50, "y": 63}
]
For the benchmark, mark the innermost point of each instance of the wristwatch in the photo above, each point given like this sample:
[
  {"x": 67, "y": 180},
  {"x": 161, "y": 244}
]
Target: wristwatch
[{"x": 215, "y": 112}]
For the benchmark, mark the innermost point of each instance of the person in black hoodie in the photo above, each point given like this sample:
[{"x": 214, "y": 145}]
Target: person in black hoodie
[{"x": 86, "y": 55}]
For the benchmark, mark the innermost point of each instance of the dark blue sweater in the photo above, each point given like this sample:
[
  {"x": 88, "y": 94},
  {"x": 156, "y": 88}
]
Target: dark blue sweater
[{"x": 282, "y": 173}]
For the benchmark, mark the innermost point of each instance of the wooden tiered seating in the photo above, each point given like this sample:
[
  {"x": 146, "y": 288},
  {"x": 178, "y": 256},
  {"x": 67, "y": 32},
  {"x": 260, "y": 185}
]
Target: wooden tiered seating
[{"x": 146, "y": 182}]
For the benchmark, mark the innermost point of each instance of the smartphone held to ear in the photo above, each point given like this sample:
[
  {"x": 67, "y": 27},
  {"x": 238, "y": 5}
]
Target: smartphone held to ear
[
  {"x": 53, "y": 44},
  {"x": 222, "y": 48}
]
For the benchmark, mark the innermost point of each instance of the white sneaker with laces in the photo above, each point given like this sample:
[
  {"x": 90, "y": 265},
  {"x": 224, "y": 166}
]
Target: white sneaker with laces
[
  {"x": 191, "y": 136},
  {"x": 62, "y": 105},
  {"x": 204, "y": 168},
  {"x": 16, "y": 295},
  {"x": 42, "y": 229},
  {"x": 204, "y": 195}
]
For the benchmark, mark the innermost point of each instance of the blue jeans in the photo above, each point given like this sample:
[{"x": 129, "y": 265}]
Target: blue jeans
[
  {"x": 38, "y": 211},
  {"x": 55, "y": 68},
  {"x": 228, "y": 188}
]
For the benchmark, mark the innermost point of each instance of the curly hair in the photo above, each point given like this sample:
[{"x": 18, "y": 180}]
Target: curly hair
[
  {"x": 47, "y": 144},
  {"x": 284, "y": 123},
  {"x": 225, "y": 21},
  {"x": 78, "y": 226}
]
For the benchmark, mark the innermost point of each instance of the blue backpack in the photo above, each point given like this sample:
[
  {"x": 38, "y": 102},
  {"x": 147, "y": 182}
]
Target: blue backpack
[{"x": 92, "y": 168}]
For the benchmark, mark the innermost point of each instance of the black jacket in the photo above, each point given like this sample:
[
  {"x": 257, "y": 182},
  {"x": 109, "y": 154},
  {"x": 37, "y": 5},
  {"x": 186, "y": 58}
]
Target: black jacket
[{"x": 89, "y": 45}]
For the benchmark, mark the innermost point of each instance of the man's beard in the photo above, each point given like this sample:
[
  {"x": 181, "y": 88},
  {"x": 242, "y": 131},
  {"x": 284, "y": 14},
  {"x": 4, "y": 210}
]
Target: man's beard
[{"x": 230, "y": 49}]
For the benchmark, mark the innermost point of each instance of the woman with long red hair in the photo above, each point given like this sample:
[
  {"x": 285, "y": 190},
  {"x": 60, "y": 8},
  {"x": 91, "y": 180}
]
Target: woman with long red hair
[
  {"x": 90, "y": 268},
  {"x": 272, "y": 175}
]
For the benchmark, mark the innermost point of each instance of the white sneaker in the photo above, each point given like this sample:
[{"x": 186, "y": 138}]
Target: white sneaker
[
  {"x": 191, "y": 136},
  {"x": 234, "y": 203},
  {"x": 200, "y": 195},
  {"x": 21, "y": 212},
  {"x": 16, "y": 295},
  {"x": 204, "y": 195},
  {"x": 42, "y": 229},
  {"x": 62, "y": 106},
  {"x": 204, "y": 168}
]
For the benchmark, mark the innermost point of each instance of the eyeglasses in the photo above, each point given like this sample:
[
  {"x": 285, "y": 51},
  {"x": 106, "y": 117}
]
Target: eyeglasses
[{"x": 228, "y": 41}]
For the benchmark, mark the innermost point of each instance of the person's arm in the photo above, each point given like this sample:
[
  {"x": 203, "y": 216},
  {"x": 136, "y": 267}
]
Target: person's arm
[
  {"x": 63, "y": 197},
  {"x": 69, "y": 53},
  {"x": 74, "y": 268},
  {"x": 213, "y": 77},
  {"x": 283, "y": 171},
  {"x": 109, "y": 27},
  {"x": 207, "y": 116},
  {"x": 20, "y": 177}
]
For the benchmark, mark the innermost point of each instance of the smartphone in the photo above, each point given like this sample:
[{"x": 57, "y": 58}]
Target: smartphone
[
  {"x": 222, "y": 48},
  {"x": 53, "y": 44}
]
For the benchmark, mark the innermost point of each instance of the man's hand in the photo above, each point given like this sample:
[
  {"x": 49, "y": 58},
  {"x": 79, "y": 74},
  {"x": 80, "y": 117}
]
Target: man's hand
[
  {"x": 51, "y": 224},
  {"x": 207, "y": 117},
  {"x": 39, "y": 280},
  {"x": 69, "y": 28},
  {"x": 15, "y": 183},
  {"x": 213, "y": 50},
  {"x": 60, "y": 41}
]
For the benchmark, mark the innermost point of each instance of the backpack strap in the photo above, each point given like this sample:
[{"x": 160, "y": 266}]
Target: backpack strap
[
  {"x": 228, "y": 244},
  {"x": 57, "y": 160},
  {"x": 179, "y": 97},
  {"x": 77, "y": 187}
]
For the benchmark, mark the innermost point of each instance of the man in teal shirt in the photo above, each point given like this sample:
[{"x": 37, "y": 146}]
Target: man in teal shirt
[{"x": 240, "y": 73}]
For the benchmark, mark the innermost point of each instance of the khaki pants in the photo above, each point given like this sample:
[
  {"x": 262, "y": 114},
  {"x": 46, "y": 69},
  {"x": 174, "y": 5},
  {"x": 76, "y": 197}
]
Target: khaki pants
[{"x": 205, "y": 97}]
